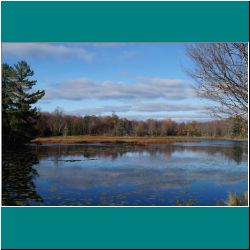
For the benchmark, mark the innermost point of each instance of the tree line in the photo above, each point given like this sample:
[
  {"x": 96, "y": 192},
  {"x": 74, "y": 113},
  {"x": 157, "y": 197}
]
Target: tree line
[
  {"x": 57, "y": 123},
  {"x": 221, "y": 74}
]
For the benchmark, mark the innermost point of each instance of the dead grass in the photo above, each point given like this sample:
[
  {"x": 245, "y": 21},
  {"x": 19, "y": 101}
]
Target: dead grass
[
  {"x": 234, "y": 200},
  {"x": 109, "y": 139}
]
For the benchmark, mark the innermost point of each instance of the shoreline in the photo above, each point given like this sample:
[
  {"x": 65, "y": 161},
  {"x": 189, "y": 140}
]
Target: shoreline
[{"x": 124, "y": 139}]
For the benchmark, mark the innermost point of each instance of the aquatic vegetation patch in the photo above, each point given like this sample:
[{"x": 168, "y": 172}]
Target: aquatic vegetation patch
[{"x": 235, "y": 200}]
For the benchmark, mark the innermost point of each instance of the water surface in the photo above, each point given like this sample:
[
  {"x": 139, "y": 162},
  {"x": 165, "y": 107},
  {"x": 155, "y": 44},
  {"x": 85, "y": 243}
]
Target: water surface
[{"x": 203, "y": 172}]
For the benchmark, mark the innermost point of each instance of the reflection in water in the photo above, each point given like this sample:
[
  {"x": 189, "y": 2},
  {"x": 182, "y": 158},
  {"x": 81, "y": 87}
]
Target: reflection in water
[
  {"x": 234, "y": 152},
  {"x": 237, "y": 153},
  {"x": 18, "y": 176},
  {"x": 125, "y": 174}
]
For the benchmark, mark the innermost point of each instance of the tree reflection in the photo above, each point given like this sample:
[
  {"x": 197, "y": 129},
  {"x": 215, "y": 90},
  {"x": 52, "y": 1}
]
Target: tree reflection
[
  {"x": 18, "y": 175},
  {"x": 237, "y": 153}
]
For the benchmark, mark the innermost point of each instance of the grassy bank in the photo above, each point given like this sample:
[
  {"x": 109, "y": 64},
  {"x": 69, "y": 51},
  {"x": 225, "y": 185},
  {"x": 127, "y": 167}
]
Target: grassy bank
[{"x": 116, "y": 139}]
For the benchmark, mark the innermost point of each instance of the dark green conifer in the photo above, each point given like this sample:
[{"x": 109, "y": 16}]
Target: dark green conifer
[{"x": 19, "y": 116}]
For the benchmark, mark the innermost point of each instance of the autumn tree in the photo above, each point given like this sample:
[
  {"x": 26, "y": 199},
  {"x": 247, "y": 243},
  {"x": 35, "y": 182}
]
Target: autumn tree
[
  {"x": 237, "y": 126},
  {"x": 168, "y": 127},
  {"x": 152, "y": 127},
  {"x": 116, "y": 126}
]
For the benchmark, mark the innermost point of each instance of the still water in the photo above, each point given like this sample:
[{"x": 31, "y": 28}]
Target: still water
[{"x": 198, "y": 173}]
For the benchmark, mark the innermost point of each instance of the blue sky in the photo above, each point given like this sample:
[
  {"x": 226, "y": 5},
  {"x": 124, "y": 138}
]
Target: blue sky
[{"x": 134, "y": 80}]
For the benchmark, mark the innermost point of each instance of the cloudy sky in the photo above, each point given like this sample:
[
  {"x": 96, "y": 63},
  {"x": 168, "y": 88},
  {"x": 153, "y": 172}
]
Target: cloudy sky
[{"x": 134, "y": 80}]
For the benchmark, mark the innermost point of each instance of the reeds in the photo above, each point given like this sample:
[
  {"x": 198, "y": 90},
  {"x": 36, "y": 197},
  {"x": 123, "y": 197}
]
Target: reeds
[
  {"x": 234, "y": 200},
  {"x": 190, "y": 202}
]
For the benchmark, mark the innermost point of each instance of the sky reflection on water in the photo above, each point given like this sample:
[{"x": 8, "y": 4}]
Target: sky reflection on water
[{"x": 125, "y": 174}]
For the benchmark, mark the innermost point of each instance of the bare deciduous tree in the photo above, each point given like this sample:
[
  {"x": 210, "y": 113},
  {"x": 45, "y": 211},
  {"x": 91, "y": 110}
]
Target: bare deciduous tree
[{"x": 221, "y": 71}]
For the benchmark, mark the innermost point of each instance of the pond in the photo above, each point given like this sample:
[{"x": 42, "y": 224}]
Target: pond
[{"x": 198, "y": 173}]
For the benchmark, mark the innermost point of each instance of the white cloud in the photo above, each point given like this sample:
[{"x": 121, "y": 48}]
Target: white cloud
[
  {"x": 45, "y": 49},
  {"x": 141, "y": 108},
  {"x": 157, "y": 177},
  {"x": 163, "y": 106},
  {"x": 148, "y": 88}
]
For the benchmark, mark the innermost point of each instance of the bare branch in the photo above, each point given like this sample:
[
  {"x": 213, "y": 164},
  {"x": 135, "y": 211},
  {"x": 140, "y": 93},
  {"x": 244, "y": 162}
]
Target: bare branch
[{"x": 221, "y": 73}]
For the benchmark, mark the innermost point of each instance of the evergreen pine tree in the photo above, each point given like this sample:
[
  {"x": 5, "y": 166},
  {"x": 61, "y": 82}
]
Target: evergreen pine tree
[{"x": 18, "y": 115}]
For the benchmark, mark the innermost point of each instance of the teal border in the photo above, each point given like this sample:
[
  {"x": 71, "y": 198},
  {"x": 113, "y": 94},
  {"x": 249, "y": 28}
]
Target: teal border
[
  {"x": 145, "y": 228},
  {"x": 78, "y": 227},
  {"x": 125, "y": 21}
]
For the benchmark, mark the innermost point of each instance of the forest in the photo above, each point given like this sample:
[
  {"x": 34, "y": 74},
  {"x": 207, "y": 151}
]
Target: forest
[{"x": 57, "y": 124}]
